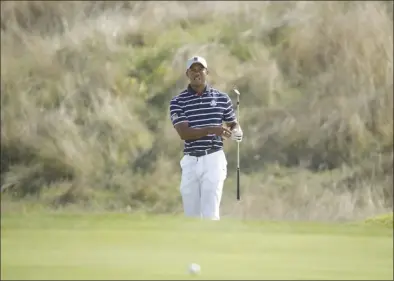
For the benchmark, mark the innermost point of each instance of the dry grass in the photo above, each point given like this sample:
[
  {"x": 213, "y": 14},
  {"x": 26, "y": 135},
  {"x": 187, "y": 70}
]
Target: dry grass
[{"x": 85, "y": 91}]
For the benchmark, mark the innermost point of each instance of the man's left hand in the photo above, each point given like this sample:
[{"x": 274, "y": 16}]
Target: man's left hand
[{"x": 237, "y": 134}]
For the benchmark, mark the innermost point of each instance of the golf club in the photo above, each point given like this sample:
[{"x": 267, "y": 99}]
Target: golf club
[{"x": 238, "y": 175}]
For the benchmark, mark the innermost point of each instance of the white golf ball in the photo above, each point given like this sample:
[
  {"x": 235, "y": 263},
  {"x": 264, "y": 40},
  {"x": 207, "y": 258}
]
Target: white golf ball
[{"x": 194, "y": 268}]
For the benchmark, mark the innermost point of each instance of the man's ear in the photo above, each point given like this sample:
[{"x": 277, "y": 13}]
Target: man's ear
[{"x": 207, "y": 71}]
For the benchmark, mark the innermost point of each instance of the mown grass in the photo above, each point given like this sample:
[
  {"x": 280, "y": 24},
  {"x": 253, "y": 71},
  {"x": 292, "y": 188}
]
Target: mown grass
[
  {"x": 85, "y": 90},
  {"x": 123, "y": 246}
]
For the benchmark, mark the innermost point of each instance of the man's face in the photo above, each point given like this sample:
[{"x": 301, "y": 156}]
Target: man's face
[{"x": 197, "y": 74}]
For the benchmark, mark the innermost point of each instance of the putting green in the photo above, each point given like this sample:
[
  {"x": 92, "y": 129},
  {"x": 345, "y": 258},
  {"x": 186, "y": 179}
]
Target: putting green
[{"x": 122, "y": 246}]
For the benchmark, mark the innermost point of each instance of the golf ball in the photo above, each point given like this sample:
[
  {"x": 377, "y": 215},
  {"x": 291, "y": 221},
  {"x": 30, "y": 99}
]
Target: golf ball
[{"x": 194, "y": 268}]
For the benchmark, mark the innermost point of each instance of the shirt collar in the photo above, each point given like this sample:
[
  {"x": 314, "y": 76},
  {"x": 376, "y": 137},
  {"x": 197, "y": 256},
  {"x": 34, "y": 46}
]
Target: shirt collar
[{"x": 193, "y": 92}]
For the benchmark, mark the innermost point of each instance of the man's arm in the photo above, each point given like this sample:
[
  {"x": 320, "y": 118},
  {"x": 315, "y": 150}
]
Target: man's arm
[
  {"x": 229, "y": 115},
  {"x": 231, "y": 121},
  {"x": 187, "y": 133}
]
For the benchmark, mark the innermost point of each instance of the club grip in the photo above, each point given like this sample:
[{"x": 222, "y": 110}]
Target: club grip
[{"x": 238, "y": 185}]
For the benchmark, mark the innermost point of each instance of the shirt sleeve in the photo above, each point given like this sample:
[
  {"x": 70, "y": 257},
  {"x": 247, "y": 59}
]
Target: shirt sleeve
[
  {"x": 177, "y": 114},
  {"x": 229, "y": 114}
]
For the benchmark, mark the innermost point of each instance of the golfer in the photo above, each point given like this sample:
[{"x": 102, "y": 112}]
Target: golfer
[{"x": 203, "y": 117}]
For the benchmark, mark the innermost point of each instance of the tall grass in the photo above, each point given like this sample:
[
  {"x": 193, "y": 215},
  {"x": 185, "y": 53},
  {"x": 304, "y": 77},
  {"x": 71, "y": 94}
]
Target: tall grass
[{"x": 86, "y": 85}]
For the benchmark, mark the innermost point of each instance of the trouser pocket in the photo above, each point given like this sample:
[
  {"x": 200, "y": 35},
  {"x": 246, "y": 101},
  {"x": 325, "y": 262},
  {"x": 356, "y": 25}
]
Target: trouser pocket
[{"x": 215, "y": 168}]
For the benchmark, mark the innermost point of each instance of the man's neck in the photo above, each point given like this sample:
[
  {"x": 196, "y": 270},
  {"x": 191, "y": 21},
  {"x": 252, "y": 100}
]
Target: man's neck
[{"x": 198, "y": 89}]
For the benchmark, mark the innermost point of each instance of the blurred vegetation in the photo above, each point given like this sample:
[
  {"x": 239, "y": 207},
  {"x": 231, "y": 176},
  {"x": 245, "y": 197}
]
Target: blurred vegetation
[
  {"x": 86, "y": 85},
  {"x": 382, "y": 220}
]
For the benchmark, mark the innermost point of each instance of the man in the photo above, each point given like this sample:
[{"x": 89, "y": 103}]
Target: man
[{"x": 197, "y": 114}]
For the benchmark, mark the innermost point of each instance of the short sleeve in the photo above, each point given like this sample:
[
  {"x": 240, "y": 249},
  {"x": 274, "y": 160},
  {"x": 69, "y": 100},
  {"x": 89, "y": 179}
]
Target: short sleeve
[
  {"x": 177, "y": 114},
  {"x": 229, "y": 114}
]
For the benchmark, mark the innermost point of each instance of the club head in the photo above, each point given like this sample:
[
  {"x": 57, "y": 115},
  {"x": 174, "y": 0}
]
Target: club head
[{"x": 237, "y": 92}]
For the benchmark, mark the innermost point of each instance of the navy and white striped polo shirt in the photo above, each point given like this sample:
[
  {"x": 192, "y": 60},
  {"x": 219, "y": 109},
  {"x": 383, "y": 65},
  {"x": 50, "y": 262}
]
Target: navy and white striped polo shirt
[{"x": 209, "y": 109}]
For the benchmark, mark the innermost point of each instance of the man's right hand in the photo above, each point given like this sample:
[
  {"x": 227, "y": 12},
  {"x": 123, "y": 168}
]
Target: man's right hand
[{"x": 220, "y": 131}]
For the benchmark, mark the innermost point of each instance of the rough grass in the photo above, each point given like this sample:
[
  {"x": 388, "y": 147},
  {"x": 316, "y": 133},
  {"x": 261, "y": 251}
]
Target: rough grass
[
  {"x": 384, "y": 220},
  {"x": 131, "y": 247},
  {"x": 85, "y": 90}
]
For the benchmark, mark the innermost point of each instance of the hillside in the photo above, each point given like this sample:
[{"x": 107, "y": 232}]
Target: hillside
[{"x": 85, "y": 91}]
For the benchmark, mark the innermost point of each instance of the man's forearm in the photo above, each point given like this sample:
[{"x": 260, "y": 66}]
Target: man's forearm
[{"x": 194, "y": 133}]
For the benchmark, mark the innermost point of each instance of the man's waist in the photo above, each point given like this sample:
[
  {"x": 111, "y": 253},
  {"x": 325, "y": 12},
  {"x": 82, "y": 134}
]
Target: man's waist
[{"x": 199, "y": 153}]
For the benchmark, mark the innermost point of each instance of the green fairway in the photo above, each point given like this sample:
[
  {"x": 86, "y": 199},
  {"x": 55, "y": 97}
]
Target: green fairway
[{"x": 121, "y": 246}]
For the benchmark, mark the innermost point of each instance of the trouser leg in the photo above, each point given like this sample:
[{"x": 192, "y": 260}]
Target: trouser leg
[
  {"x": 215, "y": 172},
  {"x": 211, "y": 195},
  {"x": 190, "y": 187}
]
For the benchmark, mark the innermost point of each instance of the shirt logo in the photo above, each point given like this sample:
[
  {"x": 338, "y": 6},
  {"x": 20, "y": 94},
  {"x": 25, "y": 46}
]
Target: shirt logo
[
  {"x": 174, "y": 117},
  {"x": 213, "y": 103}
]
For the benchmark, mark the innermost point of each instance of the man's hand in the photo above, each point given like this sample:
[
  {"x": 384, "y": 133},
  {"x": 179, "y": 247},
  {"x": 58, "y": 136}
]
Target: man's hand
[
  {"x": 237, "y": 134},
  {"x": 220, "y": 131}
]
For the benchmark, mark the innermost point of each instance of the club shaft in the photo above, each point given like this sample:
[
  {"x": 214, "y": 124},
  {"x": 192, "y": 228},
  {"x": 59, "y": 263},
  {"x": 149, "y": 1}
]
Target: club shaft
[
  {"x": 238, "y": 186},
  {"x": 238, "y": 160}
]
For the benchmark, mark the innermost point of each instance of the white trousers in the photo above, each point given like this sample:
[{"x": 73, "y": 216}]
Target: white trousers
[{"x": 202, "y": 184}]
